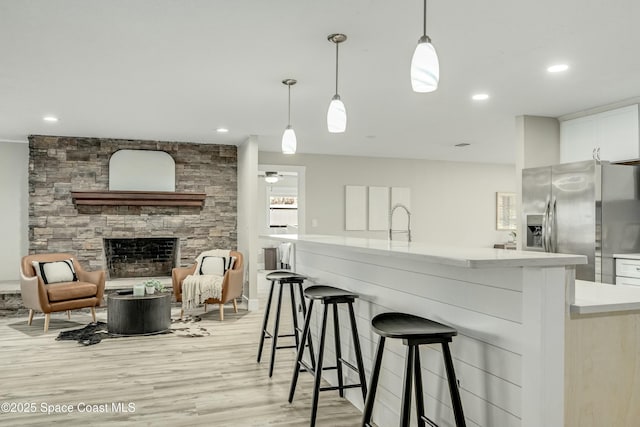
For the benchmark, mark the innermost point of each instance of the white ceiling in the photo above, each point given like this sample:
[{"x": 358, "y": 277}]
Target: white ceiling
[{"x": 178, "y": 69}]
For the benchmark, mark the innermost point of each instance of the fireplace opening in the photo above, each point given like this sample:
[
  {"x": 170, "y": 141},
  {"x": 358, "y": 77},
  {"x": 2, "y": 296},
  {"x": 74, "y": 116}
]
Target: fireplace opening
[{"x": 140, "y": 257}]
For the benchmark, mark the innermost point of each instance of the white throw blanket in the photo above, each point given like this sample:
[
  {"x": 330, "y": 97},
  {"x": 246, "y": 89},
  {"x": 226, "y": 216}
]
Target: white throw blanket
[{"x": 196, "y": 289}]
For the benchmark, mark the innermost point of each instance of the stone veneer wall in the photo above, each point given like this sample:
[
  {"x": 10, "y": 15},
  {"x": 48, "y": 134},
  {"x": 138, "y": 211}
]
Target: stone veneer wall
[{"x": 59, "y": 165}]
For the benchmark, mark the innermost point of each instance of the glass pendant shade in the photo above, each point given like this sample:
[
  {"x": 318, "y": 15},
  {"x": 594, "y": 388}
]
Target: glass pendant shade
[
  {"x": 336, "y": 116},
  {"x": 289, "y": 141},
  {"x": 271, "y": 179},
  {"x": 425, "y": 68},
  {"x": 337, "y": 113}
]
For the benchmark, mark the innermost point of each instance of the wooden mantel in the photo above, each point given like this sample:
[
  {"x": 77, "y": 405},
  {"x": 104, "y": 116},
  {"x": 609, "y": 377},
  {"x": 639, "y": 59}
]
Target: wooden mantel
[{"x": 137, "y": 198}]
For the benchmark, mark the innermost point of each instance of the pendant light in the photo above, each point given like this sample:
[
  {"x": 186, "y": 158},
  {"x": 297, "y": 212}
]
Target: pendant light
[
  {"x": 289, "y": 141},
  {"x": 425, "y": 68},
  {"x": 337, "y": 114}
]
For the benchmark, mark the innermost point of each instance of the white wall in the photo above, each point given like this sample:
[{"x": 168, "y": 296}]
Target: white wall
[
  {"x": 452, "y": 203},
  {"x": 538, "y": 141},
  {"x": 537, "y": 144},
  {"x": 14, "y": 215},
  {"x": 247, "y": 216}
]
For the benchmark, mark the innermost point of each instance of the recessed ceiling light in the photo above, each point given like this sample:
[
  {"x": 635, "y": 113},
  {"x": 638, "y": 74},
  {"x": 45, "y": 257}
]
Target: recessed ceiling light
[
  {"x": 222, "y": 130},
  {"x": 462, "y": 144},
  {"x": 480, "y": 97},
  {"x": 558, "y": 68},
  {"x": 50, "y": 119}
]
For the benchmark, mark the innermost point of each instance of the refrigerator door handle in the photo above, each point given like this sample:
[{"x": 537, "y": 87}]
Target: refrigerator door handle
[
  {"x": 545, "y": 230},
  {"x": 553, "y": 235},
  {"x": 549, "y": 230}
]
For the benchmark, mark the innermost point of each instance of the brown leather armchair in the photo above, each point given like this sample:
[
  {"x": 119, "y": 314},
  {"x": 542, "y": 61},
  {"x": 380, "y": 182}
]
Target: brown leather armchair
[
  {"x": 87, "y": 292},
  {"x": 231, "y": 284}
]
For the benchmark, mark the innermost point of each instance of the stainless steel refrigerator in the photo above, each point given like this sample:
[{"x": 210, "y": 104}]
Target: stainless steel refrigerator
[{"x": 588, "y": 208}]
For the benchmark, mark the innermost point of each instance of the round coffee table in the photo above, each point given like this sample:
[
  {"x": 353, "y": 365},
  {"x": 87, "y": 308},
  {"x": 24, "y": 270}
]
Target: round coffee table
[{"x": 136, "y": 315}]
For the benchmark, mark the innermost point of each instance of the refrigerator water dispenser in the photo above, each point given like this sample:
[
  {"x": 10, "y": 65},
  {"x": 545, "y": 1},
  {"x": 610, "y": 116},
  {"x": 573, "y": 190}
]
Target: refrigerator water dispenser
[{"x": 534, "y": 231}]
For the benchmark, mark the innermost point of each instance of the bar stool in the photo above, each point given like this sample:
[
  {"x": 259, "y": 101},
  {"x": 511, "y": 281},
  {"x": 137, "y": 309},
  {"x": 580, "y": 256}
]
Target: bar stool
[
  {"x": 329, "y": 296},
  {"x": 414, "y": 331},
  {"x": 293, "y": 280}
]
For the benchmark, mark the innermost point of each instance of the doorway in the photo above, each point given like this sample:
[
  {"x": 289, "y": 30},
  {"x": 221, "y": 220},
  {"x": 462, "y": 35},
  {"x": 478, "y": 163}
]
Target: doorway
[
  {"x": 281, "y": 196},
  {"x": 281, "y": 203}
]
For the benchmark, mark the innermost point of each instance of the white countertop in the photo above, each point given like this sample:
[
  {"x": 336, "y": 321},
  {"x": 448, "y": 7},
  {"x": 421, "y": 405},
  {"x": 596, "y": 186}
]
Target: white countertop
[
  {"x": 448, "y": 255},
  {"x": 627, "y": 256},
  {"x": 604, "y": 298}
]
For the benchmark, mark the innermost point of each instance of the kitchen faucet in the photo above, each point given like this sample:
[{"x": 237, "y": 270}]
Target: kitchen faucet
[{"x": 391, "y": 230}]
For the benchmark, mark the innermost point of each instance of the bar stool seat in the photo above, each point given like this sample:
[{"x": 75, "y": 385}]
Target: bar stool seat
[
  {"x": 409, "y": 327},
  {"x": 413, "y": 331},
  {"x": 294, "y": 280},
  {"x": 286, "y": 276},
  {"x": 328, "y": 295}
]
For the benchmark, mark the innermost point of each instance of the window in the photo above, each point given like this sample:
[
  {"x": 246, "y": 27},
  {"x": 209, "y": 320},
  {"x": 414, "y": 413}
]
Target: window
[
  {"x": 506, "y": 211},
  {"x": 283, "y": 211}
]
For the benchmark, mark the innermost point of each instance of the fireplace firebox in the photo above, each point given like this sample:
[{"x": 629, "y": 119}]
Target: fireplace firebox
[{"x": 141, "y": 257}]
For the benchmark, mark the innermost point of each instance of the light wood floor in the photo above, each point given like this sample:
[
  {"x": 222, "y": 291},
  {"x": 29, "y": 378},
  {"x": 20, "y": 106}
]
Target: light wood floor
[{"x": 171, "y": 380}]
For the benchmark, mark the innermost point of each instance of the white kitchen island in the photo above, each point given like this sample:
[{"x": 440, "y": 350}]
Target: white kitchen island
[{"x": 509, "y": 308}]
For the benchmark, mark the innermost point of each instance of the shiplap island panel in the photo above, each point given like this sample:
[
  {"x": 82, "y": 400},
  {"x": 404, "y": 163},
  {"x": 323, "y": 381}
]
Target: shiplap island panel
[{"x": 508, "y": 307}]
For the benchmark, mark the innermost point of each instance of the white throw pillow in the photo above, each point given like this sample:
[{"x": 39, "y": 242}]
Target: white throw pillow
[
  {"x": 55, "y": 271},
  {"x": 216, "y": 265}
]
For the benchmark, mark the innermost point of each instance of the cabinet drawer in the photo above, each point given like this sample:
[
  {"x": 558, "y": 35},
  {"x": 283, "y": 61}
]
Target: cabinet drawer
[
  {"x": 628, "y": 267},
  {"x": 633, "y": 281}
]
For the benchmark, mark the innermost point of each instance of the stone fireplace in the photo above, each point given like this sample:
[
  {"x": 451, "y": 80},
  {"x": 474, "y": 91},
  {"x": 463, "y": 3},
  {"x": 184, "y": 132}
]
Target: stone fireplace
[
  {"x": 59, "y": 166},
  {"x": 140, "y": 257}
]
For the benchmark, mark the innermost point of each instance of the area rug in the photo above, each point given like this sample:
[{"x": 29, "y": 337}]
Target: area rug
[{"x": 95, "y": 332}]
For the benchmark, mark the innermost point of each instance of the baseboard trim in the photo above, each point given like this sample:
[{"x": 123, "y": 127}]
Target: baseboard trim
[{"x": 252, "y": 304}]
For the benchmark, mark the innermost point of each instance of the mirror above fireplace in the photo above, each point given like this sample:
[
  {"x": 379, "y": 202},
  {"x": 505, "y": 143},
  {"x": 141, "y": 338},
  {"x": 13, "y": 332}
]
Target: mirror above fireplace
[{"x": 142, "y": 170}]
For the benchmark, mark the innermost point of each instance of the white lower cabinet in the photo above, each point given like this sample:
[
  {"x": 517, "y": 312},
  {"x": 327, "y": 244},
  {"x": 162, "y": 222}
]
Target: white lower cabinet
[
  {"x": 627, "y": 281},
  {"x": 628, "y": 271}
]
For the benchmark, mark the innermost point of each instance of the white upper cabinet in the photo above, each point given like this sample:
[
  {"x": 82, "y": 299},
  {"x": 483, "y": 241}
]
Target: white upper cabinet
[
  {"x": 578, "y": 139},
  {"x": 618, "y": 130},
  {"x": 611, "y": 135}
]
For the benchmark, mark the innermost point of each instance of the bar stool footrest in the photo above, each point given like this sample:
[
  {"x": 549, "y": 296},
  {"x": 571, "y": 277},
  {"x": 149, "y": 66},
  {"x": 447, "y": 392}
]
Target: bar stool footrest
[
  {"x": 348, "y": 365},
  {"x": 312, "y": 371},
  {"x": 428, "y": 421},
  {"x": 268, "y": 335},
  {"x": 286, "y": 346},
  {"x": 337, "y": 387}
]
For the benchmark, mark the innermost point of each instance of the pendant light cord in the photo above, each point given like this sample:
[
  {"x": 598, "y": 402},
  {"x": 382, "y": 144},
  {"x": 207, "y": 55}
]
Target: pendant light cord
[
  {"x": 424, "y": 22},
  {"x": 337, "y": 45},
  {"x": 289, "y": 112}
]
